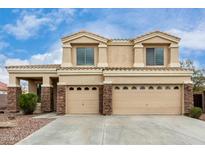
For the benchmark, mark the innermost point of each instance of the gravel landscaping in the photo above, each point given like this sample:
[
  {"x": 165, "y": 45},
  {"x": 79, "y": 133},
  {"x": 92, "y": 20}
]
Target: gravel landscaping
[{"x": 25, "y": 125}]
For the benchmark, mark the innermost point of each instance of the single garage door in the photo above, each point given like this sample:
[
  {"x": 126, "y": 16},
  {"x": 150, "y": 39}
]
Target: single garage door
[
  {"x": 82, "y": 100},
  {"x": 147, "y": 99}
]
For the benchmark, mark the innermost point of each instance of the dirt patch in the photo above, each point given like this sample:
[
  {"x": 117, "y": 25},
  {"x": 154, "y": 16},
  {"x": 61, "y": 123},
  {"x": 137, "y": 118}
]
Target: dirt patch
[{"x": 25, "y": 125}]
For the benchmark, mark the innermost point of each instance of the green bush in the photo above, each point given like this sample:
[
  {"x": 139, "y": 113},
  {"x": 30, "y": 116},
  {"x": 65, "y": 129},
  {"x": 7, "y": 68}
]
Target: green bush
[
  {"x": 28, "y": 102},
  {"x": 195, "y": 112}
]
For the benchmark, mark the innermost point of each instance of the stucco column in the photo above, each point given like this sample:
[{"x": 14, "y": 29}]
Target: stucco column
[
  {"x": 102, "y": 55},
  {"x": 67, "y": 56},
  {"x": 13, "y": 93},
  {"x": 107, "y": 99},
  {"x": 46, "y": 94},
  {"x": 61, "y": 99},
  {"x": 32, "y": 86},
  {"x": 188, "y": 97},
  {"x": 174, "y": 55},
  {"x": 138, "y": 56}
]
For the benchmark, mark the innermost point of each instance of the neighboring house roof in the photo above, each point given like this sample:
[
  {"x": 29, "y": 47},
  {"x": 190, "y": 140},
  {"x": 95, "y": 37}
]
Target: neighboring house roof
[{"x": 3, "y": 86}]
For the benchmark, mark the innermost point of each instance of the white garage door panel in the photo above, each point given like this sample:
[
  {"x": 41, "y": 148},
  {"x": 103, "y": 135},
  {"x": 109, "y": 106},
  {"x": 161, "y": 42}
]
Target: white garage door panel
[
  {"x": 82, "y": 101},
  {"x": 155, "y": 101}
]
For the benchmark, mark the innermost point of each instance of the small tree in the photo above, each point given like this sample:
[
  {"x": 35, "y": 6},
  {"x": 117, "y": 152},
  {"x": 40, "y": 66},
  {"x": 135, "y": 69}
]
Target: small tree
[{"x": 198, "y": 76}]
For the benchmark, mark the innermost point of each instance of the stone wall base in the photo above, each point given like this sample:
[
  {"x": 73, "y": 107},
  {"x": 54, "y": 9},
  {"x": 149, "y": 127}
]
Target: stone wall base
[
  {"x": 61, "y": 98},
  {"x": 13, "y": 94},
  {"x": 107, "y": 99},
  {"x": 101, "y": 99},
  {"x": 188, "y": 97},
  {"x": 46, "y": 99}
]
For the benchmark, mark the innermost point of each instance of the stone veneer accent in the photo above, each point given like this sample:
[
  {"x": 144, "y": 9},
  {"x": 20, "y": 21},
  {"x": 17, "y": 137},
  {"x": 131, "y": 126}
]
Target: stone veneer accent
[
  {"x": 101, "y": 99},
  {"x": 13, "y": 99},
  {"x": 46, "y": 99},
  {"x": 54, "y": 96},
  {"x": 107, "y": 99},
  {"x": 188, "y": 97},
  {"x": 61, "y": 98}
]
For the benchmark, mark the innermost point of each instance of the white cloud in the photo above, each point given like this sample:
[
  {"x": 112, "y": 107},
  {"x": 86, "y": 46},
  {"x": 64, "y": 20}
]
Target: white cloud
[
  {"x": 3, "y": 75},
  {"x": 16, "y": 61},
  {"x": 104, "y": 28},
  {"x": 30, "y": 22},
  {"x": 26, "y": 27},
  {"x": 52, "y": 56},
  {"x": 192, "y": 39}
]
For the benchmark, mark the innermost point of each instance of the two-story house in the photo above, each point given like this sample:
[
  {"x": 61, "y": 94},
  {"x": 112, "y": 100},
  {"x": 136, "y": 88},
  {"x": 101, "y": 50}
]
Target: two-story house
[{"x": 106, "y": 76}]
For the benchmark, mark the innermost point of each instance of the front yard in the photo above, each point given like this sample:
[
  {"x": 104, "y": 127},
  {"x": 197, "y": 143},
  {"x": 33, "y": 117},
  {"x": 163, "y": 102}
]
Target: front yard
[{"x": 24, "y": 126}]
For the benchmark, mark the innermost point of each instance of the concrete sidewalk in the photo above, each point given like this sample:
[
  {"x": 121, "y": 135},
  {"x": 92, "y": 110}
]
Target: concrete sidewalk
[{"x": 96, "y": 129}]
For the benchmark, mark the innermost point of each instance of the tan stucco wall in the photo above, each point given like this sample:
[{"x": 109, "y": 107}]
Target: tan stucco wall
[
  {"x": 14, "y": 78},
  {"x": 147, "y": 80},
  {"x": 120, "y": 56},
  {"x": 81, "y": 80},
  {"x": 121, "y": 53}
]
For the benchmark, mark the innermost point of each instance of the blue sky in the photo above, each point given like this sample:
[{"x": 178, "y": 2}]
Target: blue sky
[{"x": 32, "y": 36}]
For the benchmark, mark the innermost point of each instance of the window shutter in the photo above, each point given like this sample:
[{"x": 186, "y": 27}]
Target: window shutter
[
  {"x": 150, "y": 56},
  {"x": 159, "y": 54}
]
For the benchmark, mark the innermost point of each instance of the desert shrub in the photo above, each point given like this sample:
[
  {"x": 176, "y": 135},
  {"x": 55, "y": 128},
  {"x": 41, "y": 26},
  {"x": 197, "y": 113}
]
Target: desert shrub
[
  {"x": 195, "y": 112},
  {"x": 28, "y": 102}
]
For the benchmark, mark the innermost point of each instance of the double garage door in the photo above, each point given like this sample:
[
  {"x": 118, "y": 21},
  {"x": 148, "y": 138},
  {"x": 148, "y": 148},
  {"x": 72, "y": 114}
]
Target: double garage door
[
  {"x": 126, "y": 99},
  {"x": 149, "y": 99}
]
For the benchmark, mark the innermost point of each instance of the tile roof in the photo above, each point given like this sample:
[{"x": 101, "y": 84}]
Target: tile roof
[
  {"x": 128, "y": 68},
  {"x": 58, "y": 67},
  {"x": 34, "y": 66},
  {"x": 121, "y": 39},
  {"x": 83, "y": 31},
  {"x": 157, "y": 31}
]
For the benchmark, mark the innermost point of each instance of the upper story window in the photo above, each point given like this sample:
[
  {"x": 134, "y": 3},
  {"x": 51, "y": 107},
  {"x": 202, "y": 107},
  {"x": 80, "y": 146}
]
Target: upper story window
[
  {"x": 85, "y": 56},
  {"x": 154, "y": 56}
]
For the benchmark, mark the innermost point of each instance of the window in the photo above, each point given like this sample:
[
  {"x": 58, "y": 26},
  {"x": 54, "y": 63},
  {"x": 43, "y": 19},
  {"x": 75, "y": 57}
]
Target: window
[
  {"x": 155, "y": 56},
  {"x": 117, "y": 88},
  {"x": 85, "y": 56},
  {"x": 159, "y": 87},
  {"x": 125, "y": 88},
  {"x": 86, "y": 88},
  {"x": 150, "y": 87},
  {"x": 78, "y": 88},
  {"x": 167, "y": 87},
  {"x": 94, "y": 88},
  {"x": 142, "y": 88},
  {"x": 71, "y": 88},
  {"x": 134, "y": 88},
  {"x": 176, "y": 88}
]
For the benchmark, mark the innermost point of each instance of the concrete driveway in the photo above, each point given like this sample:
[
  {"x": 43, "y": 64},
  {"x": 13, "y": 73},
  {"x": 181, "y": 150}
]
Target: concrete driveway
[{"x": 96, "y": 129}]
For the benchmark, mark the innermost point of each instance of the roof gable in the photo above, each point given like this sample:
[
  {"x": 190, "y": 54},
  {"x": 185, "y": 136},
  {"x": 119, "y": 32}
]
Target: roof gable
[
  {"x": 159, "y": 34},
  {"x": 84, "y": 34}
]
